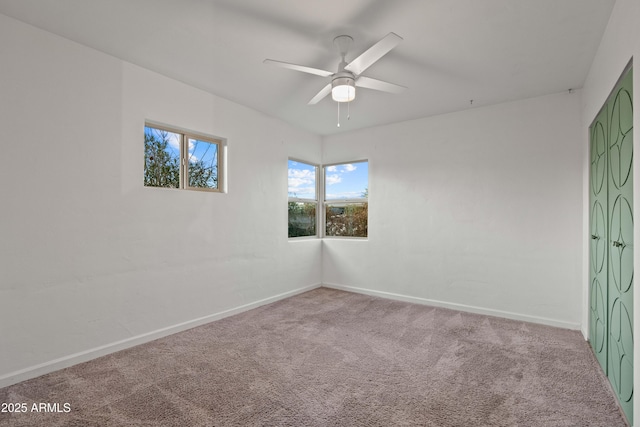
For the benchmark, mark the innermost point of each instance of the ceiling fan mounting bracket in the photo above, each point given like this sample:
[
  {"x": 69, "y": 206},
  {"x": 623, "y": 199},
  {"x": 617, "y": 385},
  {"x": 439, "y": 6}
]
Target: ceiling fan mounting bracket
[{"x": 343, "y": 43}]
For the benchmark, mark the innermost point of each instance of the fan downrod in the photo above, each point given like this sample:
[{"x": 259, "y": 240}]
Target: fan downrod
[{"x": 343, "y": 43}]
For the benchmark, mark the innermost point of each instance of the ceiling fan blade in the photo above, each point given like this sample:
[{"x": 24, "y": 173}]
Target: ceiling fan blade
[
  {"x": 369, "y": 83},
  {"x": 324, "y": 92},
  {"x": 375, "y": 52},
  {"x": 302, "y": 68}
]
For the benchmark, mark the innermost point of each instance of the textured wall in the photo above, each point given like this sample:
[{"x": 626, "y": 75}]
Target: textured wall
[
  {"x": 479, "y": 209},
  {"x": 620, "y": 43},
  {"x": 89, "y": 257}
]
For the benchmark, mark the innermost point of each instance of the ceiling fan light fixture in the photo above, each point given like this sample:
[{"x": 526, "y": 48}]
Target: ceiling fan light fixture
[{"x": 343, "y": 89}]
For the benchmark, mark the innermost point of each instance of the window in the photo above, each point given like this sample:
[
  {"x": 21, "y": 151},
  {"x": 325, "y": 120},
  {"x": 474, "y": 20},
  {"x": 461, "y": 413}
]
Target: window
[
  {"x": 303, "y": 199},
  {"x": 346, "y": 200},
  {"x": 177, "y": 159}
]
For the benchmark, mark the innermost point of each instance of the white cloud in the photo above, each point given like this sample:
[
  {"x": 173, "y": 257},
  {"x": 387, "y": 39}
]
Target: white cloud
[
  {"x": 298, "y": 182},
  {"x": 192, "y": 156},
  {"x": 302, "y": 173},
  {"x": 300, "y": 177},
  {"x": 333, "y": 179},
  {"x": 174, "y": 141},
  {"x": 302, "y": 182},
  {"x": 349, "y": 168},
  {"x": 332, "y": 169}
]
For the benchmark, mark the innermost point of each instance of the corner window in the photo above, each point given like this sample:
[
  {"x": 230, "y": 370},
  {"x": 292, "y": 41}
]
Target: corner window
[
  {"x": 303, "y": 199},
  {"x": 177, "y": 159},
  {"x": 346, "y": 200}
]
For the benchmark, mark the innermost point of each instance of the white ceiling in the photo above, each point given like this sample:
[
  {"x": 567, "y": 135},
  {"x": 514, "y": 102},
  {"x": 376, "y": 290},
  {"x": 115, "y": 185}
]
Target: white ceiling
[{"x": 454, "y": 51}]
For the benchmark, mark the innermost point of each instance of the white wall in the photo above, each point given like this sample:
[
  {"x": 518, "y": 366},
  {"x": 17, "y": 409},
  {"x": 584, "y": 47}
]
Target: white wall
[
  {"x": 620, "y": 43},
  {"x": 479, "y": 210},
  {"x": 90, "y": 259}
]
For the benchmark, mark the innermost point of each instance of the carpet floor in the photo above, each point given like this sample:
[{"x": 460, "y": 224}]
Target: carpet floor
[{"x": 333, "y": 358}]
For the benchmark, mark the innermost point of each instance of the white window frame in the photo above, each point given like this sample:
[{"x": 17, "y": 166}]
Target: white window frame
[
  {"x": 306, "y": 200},
  {"x": 185, "y": 135}
]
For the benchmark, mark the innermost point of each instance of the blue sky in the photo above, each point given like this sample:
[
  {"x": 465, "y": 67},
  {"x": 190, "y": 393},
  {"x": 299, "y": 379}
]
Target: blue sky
[
  {"x": 343, "y": 181},
  {"x": 203, "y": 150},
  {"x": 173, "y": 147},
  {"x": 302, "y": 180},
  {"x": 198, "y": 150}
]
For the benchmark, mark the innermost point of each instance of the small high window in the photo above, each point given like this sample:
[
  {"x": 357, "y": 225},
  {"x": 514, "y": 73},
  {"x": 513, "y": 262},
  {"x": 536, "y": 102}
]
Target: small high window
[
  {"x": 303, "y": 199},
  {"x": 177, "y": 159},
  {"x": 346, "y": 199}
]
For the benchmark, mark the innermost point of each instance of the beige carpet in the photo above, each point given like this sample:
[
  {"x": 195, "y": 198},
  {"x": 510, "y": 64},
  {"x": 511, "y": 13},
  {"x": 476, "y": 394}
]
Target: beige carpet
[{"x": 332, "y": 358}]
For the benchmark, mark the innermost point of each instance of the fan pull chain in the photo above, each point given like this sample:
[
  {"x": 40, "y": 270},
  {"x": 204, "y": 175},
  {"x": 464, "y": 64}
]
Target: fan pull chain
[{"x": 348, "y": 111}]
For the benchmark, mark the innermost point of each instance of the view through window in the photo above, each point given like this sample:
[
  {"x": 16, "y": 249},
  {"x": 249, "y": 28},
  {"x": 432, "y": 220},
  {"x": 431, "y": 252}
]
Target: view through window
[
  {"x": 346, "y": 200},
  {"x": 303, "y": 199},
  {"x": 345, "y": 203},
  {"x": 175, "y": 159}
]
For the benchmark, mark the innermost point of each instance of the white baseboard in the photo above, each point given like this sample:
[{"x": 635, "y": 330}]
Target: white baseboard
[
  {"x": 455, "y": 306},
  {"x": 84, "y": 356},
  {"x": 585, "y": 332}
]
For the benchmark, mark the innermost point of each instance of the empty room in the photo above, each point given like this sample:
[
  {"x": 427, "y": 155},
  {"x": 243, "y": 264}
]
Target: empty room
[{"x": 318, "y": 213}]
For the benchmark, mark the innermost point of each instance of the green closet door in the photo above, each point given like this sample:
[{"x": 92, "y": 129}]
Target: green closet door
[
  {"x": 598, "y": 250},
  {"x": 611, "y": 241},
  {"x": 620, "y": 280}
]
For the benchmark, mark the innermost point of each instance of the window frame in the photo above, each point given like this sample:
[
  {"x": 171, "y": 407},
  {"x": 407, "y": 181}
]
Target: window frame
[
  {"x": 184, "y": 136},
  {"x": 342, "y": 202},
  {"x": 304, "y": 199}
]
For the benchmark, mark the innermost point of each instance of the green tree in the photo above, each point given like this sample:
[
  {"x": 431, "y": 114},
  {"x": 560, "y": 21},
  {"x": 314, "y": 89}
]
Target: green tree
[
  {"x": 162, "y": 164},
  {"x": 302, "y": 219},
  {"x": 201, "y": 175},
  {"x": 161, "y": 168},
  {"x": 349, "y": 220}
]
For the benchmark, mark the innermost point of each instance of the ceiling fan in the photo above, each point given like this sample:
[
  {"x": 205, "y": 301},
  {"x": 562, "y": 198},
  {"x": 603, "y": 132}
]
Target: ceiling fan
[{"x": 349, "y": 75}]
